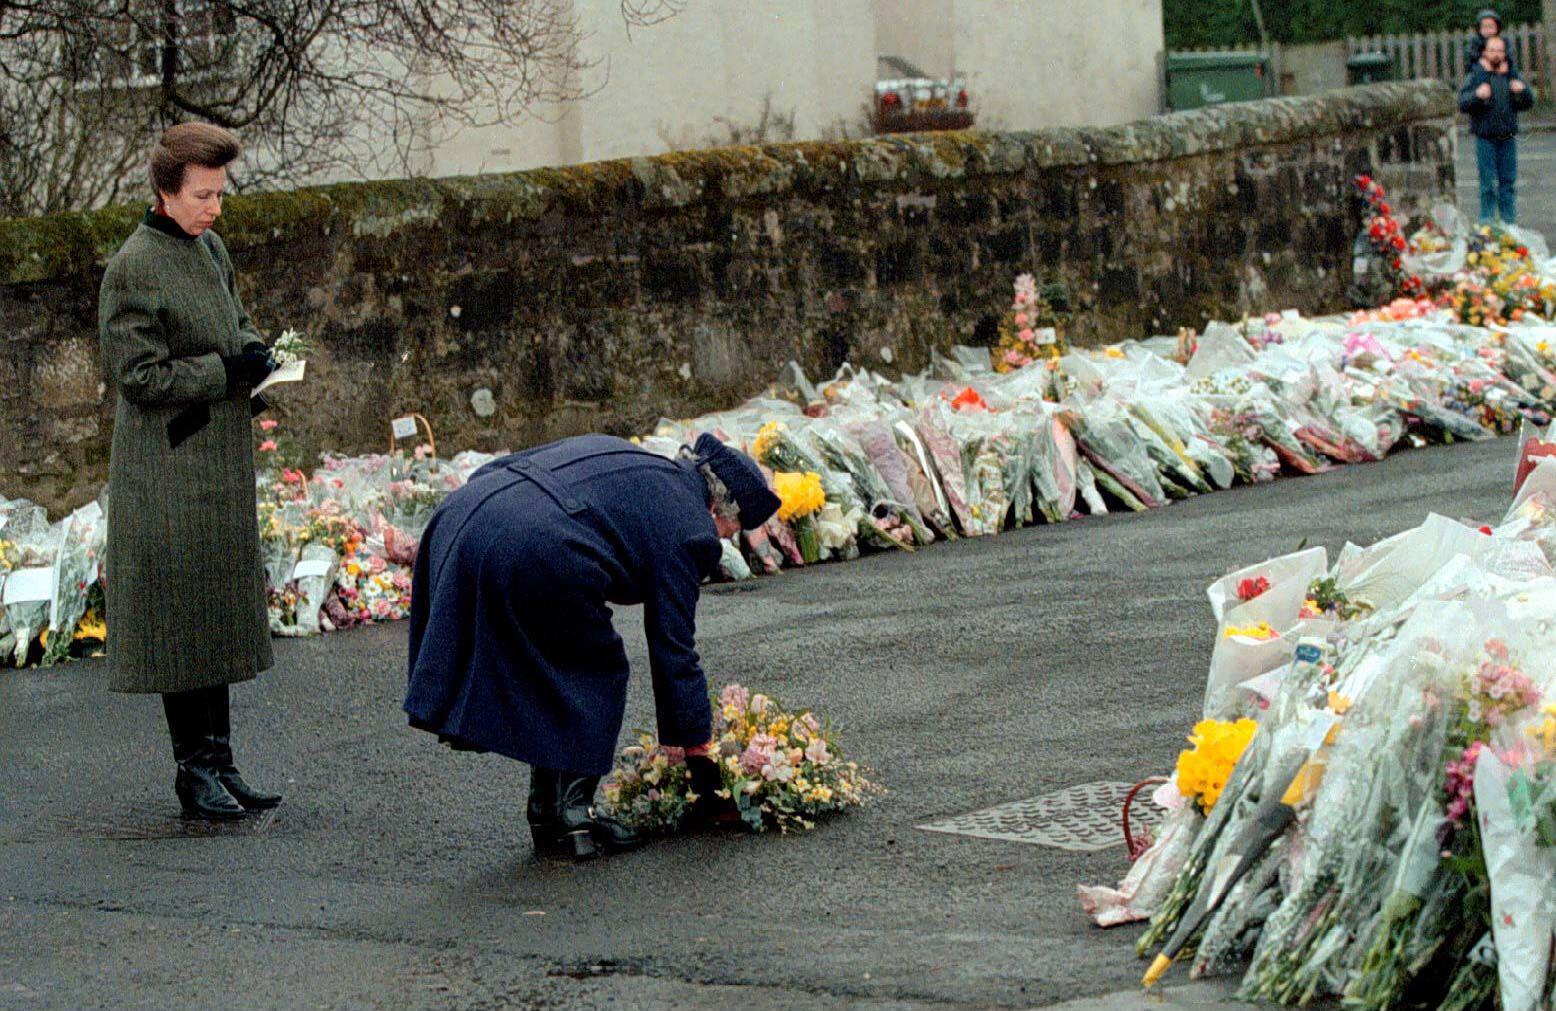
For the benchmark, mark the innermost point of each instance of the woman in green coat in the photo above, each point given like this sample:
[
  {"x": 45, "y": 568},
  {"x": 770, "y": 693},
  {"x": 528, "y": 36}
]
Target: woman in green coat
[{"x": 185, "y": 586}]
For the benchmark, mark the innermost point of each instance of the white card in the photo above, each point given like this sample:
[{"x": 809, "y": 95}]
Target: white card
[
  {"x": 404, "y": 428},
  {"x": 292, "y": 372},
  {"x": 311, "y": 567},
  {"x": 24, "y": 585},
  {"x": 1045, "y": 335}
]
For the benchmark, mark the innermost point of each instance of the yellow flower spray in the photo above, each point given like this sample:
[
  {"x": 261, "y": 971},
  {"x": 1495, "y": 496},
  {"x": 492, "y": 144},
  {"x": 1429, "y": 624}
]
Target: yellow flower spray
[
  {"x": 1203, "y": 770},
  {"x": 800, "y": 498}
]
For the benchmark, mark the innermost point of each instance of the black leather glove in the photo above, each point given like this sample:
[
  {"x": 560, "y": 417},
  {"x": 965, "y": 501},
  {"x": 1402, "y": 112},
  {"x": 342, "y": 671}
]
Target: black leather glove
[{"x": 248, "y": 369}]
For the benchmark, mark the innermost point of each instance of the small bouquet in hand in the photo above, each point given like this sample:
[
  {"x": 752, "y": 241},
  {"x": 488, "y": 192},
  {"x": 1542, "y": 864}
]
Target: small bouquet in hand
[
  {"x": 291, "y": 346},
  {"x": 290, "y": 354},
  {"x": 779, "y": 768}
]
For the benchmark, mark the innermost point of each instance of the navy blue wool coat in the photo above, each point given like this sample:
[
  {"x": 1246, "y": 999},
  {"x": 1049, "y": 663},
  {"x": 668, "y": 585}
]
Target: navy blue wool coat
[{"x": 511, "y": 644}]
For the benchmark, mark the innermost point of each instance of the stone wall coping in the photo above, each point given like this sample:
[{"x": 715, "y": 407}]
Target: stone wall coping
[{"x": 35, "y": 250}]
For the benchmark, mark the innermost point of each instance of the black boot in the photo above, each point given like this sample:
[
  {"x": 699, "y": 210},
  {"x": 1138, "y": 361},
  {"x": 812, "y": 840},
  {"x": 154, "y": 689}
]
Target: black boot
[
  {"x": 564, "y": 823},
  {"x": 220, "y": 736},
  {"x": 554, "y": 839},
  {"x": 198, "y": 785}
]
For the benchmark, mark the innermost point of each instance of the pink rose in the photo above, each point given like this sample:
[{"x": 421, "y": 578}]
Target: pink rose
[
  {"x": 268, "y": 425},
  {"x": 1021, "y": 319},
  {"x": 268, "y": 446},
  {"x": 1026, "y": 334}
]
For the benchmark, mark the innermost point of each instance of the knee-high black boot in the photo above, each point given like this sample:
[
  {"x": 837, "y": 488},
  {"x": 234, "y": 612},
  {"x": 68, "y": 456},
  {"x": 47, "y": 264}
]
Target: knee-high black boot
[
  {"x": 198, "y": 785},
  {"x": 220, "y": 725}
]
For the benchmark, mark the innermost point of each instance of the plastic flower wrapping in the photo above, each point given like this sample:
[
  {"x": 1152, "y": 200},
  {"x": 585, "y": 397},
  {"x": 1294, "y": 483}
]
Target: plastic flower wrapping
[
  {"x": 1387, "y": 836},
  {"x": 781, "y": 769}
]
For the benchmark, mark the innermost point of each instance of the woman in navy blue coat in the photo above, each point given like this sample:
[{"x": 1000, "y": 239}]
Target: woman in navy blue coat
[{"x": 511, "y": 644}]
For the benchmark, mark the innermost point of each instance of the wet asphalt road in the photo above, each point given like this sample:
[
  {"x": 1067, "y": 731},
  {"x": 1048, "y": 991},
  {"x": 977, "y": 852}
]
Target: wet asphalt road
[{"x": 398, "y": 875}]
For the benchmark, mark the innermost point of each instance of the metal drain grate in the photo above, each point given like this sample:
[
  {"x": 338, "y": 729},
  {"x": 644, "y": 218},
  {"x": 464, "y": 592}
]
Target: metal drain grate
[{"x": 1079, "y": 818}]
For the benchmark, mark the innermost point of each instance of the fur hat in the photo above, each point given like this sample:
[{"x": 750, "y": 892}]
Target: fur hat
[{"x": 742, "y": 477}]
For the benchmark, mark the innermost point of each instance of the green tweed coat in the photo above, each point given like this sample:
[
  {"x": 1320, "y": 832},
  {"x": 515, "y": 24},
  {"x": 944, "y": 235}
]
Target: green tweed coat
[{"x": 185, "y": 586}]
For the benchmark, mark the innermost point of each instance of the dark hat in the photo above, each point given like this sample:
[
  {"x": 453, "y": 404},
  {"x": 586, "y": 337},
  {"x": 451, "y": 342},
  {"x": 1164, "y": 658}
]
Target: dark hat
[
  {"x": 1489, "y": 12},
  {"x": 742, "y": 477}
]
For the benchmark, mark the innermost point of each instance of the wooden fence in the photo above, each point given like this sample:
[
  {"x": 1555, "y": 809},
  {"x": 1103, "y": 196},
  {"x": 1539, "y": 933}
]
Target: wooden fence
[
  {"x": 1440, "y": 55},
  {"x": 1424, "y": 55}
]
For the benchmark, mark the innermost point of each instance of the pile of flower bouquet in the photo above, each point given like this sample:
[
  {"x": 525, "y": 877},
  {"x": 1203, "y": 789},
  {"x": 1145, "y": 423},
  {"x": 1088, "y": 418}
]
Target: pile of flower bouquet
[
  {"x": 1490, "y": 275},
  {"x": 970, "y": 447},
  {"x": 1369, "y": 811}
]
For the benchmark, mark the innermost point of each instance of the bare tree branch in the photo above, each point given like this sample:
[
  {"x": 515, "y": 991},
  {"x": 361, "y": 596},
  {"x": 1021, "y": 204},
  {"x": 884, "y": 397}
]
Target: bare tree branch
[{"x": 313, "y": 86}]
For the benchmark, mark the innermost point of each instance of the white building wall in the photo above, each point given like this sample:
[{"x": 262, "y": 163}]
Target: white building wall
[
  {"x": 1037, "y": 63},
  {"x": 684, "y": 82},
  {"x": 919, "y": 31}
]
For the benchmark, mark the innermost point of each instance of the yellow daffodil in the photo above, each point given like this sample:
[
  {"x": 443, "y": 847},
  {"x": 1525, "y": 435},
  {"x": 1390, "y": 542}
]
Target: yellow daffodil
[
  {"x": 799, "y": 495},
  {"x": 1204, "y": 769},
  {"x": 765, "y": 439}
]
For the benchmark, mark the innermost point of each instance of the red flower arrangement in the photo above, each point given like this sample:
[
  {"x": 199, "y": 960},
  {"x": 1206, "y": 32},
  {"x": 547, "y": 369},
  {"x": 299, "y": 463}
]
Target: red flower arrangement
[
  {"x": 969, "y": 400},
  {"x": 1388, "y": 239},
  {"x": 1248, "y": 589}
]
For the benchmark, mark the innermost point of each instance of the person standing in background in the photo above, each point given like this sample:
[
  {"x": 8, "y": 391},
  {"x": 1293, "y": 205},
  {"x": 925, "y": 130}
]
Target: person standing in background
[{"x": 1493, "y": 94}]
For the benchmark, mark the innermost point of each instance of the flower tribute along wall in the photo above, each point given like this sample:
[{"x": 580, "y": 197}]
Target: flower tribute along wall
[{"x": 513, "y": 309}]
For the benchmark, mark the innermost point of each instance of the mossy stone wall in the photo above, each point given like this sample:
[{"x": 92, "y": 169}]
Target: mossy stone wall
[{"x": 600, "y": 297}]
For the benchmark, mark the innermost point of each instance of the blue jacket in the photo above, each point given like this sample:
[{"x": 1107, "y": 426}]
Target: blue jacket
[
  {"x": 1495, "y": 118},
  {"x": 511, "y": 644}
]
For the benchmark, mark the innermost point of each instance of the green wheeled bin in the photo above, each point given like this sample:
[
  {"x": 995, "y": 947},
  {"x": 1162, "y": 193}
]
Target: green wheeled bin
[
  {"x": 1369, "y": 68},
  {"x": 1195, "y": 80}
]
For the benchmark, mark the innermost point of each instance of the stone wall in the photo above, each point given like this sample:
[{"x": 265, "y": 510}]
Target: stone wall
[{"x": 602, "y": 296}]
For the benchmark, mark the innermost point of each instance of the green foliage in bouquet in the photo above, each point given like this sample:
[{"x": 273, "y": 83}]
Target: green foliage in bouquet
[{"x": 1327, "y": 598}]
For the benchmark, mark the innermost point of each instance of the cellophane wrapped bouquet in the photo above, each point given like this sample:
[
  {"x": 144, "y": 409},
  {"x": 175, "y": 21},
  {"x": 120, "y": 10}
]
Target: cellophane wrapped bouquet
[
  {"x": 780, "y": 767},
  {"x": 1386, "y": 837}
]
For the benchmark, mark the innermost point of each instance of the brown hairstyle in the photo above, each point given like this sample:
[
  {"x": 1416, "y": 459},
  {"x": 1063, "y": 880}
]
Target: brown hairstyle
[{"x": 199, "y": 144}]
